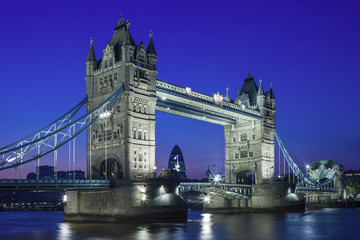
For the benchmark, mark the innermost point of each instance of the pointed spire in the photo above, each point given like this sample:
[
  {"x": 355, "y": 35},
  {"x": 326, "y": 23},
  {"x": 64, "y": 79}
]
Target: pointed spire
[
  {"x": 260, "y": 90},
  {"x": 128, "y": 38},
  {"x": 227, "y": 97},
  {"x": 151, "y": 47},
  {"x": 272, "y": 96},
  {"x": 91, "y": 55}
]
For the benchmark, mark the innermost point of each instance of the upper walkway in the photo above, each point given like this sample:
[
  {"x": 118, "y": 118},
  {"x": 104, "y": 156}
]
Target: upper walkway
[{"x": 186, "y": 102}]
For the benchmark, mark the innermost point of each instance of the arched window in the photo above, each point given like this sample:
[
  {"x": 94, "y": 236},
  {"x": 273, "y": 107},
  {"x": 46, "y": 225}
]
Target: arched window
[
  {"x": 243, "y": 137},
  {"x": 139, "y": 134}
]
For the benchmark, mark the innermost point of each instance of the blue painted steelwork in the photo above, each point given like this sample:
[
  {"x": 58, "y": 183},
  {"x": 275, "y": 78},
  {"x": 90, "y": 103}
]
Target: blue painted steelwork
[
  {"x": 26, "y": 151},
  {"x": 53, "y": 185},
  {"x": 303, "y": 177}
]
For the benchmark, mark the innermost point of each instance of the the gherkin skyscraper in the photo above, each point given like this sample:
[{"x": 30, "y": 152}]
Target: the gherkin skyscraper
[{"x": 176, "y": 162}]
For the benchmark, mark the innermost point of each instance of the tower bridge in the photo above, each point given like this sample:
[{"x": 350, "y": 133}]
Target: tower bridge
[{"x": 122, "y": 97}]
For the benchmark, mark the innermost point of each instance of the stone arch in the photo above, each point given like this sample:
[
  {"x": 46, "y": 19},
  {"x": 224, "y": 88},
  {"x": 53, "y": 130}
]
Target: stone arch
[
  {"x": 111, "y": 167},
  {"x": 246, "y": 177}
]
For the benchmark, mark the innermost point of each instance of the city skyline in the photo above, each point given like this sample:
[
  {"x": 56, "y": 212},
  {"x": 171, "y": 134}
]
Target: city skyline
[{"x": 309, "y": 52}]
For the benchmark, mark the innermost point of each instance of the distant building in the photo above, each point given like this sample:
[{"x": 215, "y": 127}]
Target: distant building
[
  {"x": 47, "y": 172},
  {"x": 176, "y": 162},
  {"x": 168, "y": 174},
  {"x": 351, "y": 173}
]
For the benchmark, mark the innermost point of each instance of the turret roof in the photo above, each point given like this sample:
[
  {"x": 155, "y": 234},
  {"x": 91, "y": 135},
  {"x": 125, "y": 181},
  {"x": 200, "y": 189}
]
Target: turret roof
[{"x": 250, "y": 88}]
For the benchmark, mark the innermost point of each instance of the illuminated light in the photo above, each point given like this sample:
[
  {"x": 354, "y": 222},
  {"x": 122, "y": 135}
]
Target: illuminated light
[
  {"x": 207, "y": 199},
  {"x": 163, "y": 98},
  {"x": 104, "y": 115},
  {"x": 144, "y": 197},
  {"x": 188, "y": 90},
  {"x": 307, "y": 166},
  {"x": 65, "y": 198},
  {"x": 168, "y": 108},
  {"x": 155, "y": 167}
]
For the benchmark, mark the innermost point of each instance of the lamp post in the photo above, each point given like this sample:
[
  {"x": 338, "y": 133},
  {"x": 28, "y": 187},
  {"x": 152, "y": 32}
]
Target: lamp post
[{"x": 105, "y": 116}]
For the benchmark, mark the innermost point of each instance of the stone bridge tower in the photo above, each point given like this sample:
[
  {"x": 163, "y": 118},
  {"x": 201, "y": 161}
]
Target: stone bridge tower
[
  {"x": 249, "y": 146},
  {"x": 122, "y": 145}
]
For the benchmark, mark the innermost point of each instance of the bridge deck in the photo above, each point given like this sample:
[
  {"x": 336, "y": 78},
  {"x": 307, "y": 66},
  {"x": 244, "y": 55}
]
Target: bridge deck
[{"x": 51, "y": 185}]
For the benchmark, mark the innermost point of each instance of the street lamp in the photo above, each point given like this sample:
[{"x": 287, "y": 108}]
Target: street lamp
[{"x": 105, "y": 116}]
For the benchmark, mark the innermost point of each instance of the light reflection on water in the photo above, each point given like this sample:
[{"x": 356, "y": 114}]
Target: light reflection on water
[{"x": 321, "y": 224}]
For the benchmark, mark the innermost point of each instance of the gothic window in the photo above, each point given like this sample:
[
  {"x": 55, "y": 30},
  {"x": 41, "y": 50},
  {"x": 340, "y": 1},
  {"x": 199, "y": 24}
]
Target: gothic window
[
  {"x": 145, "y": 166},
  {"x": 236, "y": 155},
  {"x": 135, "y": 152},
  {"x": 115, "y": 77},
  {"x": 110, "y": 63},
  {"x": 144, "y": 158},
  {"x": 140, "y": 165},
  {"x": 116, "y": 133},
  {"x": 134, "y": 133},
  {"x": 140, "y": 158},
  {"x": 243, "y": 154},
  {"x": 234, "y": 139},
  {"x": 101, "y": 82},
  {"x": 134, "y": 166},
  {"x": 106, "y": 64},
  {"x": 251, "y": 154},
  {"x": 145, "y": 109},
  {"x": 110, "y": 79},
  {"x": 139, "y": 135},
  {"x": 253, "y": 137},
  {"x": 105, "y": 81},
  {"x": 142, "y": 74},
  {"x": 243, "y": 137},
  {"x": 144, "y": 135},
  {"x": 108, "y": 135},
  {"x": 118, "y": 108}
]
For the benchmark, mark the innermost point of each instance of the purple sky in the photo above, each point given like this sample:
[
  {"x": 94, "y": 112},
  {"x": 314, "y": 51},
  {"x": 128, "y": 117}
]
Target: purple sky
[{"x": 309, "y": 50}]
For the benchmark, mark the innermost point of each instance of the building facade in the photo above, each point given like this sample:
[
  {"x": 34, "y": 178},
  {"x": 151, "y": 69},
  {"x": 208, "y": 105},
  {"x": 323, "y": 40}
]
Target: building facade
[{"x": 176, "y": 162}]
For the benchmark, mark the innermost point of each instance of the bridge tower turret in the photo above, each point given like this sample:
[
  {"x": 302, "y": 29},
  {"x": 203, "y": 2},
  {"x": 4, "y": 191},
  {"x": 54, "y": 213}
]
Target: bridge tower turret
[
  {"x": 122, "y": 145},
  {"x": 249, "y": 146}
]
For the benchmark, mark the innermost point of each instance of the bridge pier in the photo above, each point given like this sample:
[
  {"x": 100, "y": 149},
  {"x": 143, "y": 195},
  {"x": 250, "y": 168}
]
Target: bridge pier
[
  {"x": 151, "y": 200},
  {"x": 264, "y": 198}
]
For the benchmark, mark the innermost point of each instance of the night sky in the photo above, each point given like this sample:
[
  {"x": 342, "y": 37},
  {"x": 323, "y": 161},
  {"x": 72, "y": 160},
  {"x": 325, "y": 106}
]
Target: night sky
[{"x": 309, "y": 50}]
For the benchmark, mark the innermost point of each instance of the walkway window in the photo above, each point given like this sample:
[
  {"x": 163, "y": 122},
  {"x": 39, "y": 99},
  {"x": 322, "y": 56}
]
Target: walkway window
[
  {"x": 236, "y": 155},
  {"x": 243, "y": 154},
  {"x": 251, "y": 154}
]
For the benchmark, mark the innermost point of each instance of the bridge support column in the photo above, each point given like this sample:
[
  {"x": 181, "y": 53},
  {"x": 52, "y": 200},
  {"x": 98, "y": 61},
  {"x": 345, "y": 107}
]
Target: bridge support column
[
  {"x": 264, "y": 198},
  {"x": 152, "y": 200}
]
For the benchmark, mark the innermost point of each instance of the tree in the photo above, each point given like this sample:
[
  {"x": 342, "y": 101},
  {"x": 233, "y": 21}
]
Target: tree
[{"x": 353, "y": 186}]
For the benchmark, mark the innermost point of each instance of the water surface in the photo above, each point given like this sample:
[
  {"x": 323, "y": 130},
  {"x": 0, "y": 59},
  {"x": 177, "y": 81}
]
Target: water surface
[{"x": 319, "y": 224}]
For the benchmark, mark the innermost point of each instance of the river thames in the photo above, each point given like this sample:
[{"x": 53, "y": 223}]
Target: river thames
[{"x": 318, "y": 224}]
